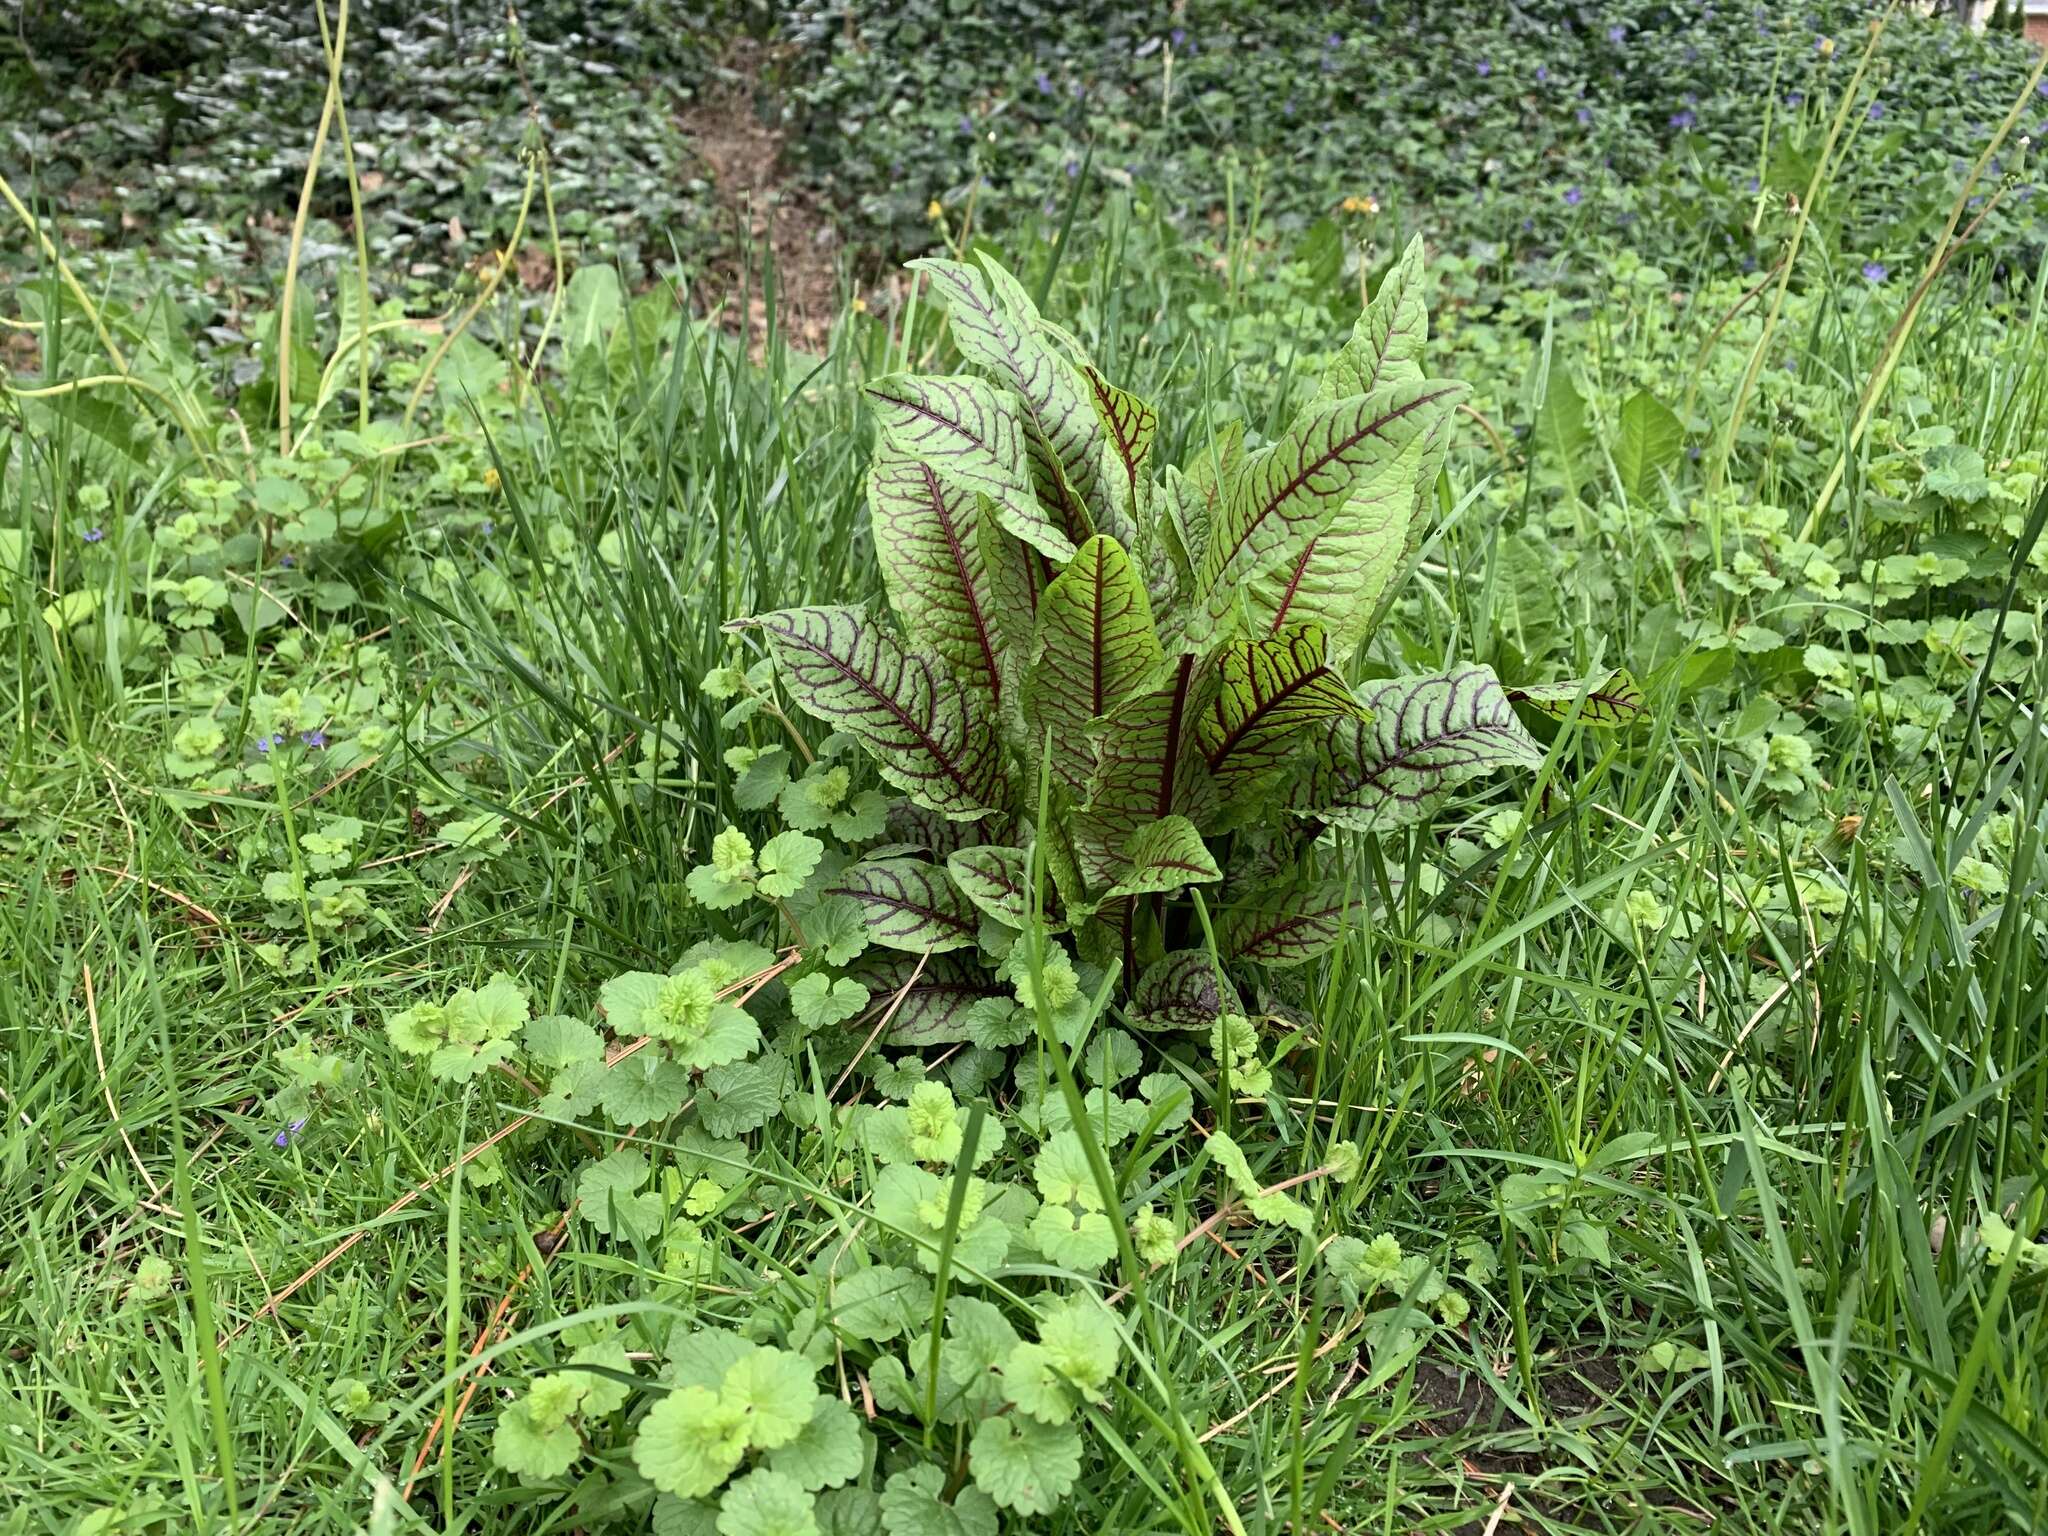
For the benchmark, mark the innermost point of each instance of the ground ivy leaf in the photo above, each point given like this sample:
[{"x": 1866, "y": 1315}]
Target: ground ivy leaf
[
  {"x": 820, "y": 1001},
  {"x": 556, "y": 1041},
  {"x": 1078, "y": 1240},
  {"x": 912, "y": 1506},
  {"x": 607, "y": 1194},
  {"x": 645, "y": 1088},
  {"x": 880, "y": 1303},
  {"x": 774, "y": 1392},
  {"x": 767, "y": 1503},
  {"x": 530, "y": 1448},
  {"x": 690, "y": 1441},
  {"x": 701, "y": 1358},
  {"x": 743, "y": 1095},
  {"x": 786, "y": 861},
  {"x": 1024, "y": 1465},
  {"x": 625, "y": 997},
  {"x": 827, "y": 1452}
]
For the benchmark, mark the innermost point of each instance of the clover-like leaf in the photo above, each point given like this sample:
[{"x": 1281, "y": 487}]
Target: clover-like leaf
[
  {"x": 827, "y": 1452},
  {"x": 766, "y": 1502},
  {"x": 690, "y": 1441},
  {"x": 913, "y": 1504},
  {"x": 819, "y": 1001},
  {"x": 534, "y": 1445},
  {"x": 1281, "y": 1208},
  {"x": 608, "y": 1196}
]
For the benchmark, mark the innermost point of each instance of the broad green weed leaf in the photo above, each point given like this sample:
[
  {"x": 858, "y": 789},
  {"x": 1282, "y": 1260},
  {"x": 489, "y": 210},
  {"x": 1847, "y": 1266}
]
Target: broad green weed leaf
[
  {"x": 1148, "y": 764},
  {"x": 1129, "y": 427},
  {"x": 1650, "y": 442},
  {"x": 1386, "y": 343},
  {"x": 1164, "y": 856},
  {"x": 1281, "y": 1209},
  {"x": 927, "y": 732},
  {"x": 690, "y": 1441},
  {"x": 766, "y": 1502},
  {"x": 929, "y": 542},
  {"x": 993, "y": 878},
  {"x": 1063, "y": 443},
  {"x": 1180, "y": 991},
  {"x": 1427, "y": 735},
  {"x": 820, "y": 1001},
  {"x": 1287, "y": 493},
  {"x": 534, "y": 1446},
  {"x": 880, "y": 1303},
  {"x": 1613, "y": 701},
  {"x": 1561, "y": 431}
]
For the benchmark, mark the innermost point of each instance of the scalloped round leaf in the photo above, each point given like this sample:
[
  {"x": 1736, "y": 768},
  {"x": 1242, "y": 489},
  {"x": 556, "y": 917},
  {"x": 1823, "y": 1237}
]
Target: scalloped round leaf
[
  {"x": 828, "y": 1452},
  {"x": 908, "y": 904},
  {"x": 913, "y": 1505},
  {"x": 1025, "y": 1465}
]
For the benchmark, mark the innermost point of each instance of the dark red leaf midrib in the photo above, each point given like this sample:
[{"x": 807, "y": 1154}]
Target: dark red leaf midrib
[{"x": 959, "y": 554}]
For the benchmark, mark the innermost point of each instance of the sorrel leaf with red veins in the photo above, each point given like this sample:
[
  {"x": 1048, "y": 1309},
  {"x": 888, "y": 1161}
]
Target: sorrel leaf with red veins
[
  {"x": 972, "y": 435},
  {"x": 1612, "y": 702},
  {"x": 1095, "y": 647},
  {"x": 908, "y": 904},
  {"x": 928, "y": 541},
  {"x": 1285, "y": 926},
  {"x": 1181, "y": 991},
  {"x": 1273, "y": 691},
  {"x": 929, "y": 733},
  {"x": 1427, "y": 736}
]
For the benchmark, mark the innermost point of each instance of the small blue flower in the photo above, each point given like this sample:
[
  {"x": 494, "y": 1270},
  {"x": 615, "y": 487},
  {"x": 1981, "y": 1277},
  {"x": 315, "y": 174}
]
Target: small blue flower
[
  {"x": 1876, "y": 111},
  {"x": 490, "y": 527},
  {"x": 287, "y": 561},
  {"x": 1073, "y": 169},
  {"x": 1617, "y": 33},
  {"x": 1573, "y": 197},
  {"x": 1585, "y": 117},
  {"x": 1044, "y": 83},
  {"x": 1485, "y": 67},
  {"x": 1542, "y": 73},
  {"x": 284, "y": 1137},
  {"x": 1684, "y": 119},
  {"x": 1874, "y": 272},
  {"x": 1793, "y": 98},
  {"x": 1334, "y": 40},
  {"x": 93, "y": 535},
  {"x": 1177, "y": 36},
  {"x": 313, "y": 738},
  {"x": 265, "y": 743},
  {"x": 966, "y": 126}
]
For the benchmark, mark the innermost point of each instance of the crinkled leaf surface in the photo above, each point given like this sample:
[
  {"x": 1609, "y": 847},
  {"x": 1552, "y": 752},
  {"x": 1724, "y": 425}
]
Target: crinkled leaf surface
[
  {"x": 908, "y": 904},
  {"x": 1095, "y": 646},
  {"x": 1274, "y": 690}
]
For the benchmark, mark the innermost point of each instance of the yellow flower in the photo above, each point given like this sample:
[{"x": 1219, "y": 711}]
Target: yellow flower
[
  {"x": 860, "y": 305},
  {"x": 933, "y": 211},
  {"x": 1826, "y": 47},
  {"x": 490, "y": 477},
  {"x": 1361, "y": 205}
]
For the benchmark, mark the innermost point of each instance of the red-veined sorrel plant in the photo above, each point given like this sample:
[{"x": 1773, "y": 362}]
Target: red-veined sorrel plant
[{"x": 1167, "y": 641}]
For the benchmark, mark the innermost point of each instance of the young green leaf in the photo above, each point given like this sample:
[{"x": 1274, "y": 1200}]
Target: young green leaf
[
  {"x": 1650, "y": 442},
  {"x": 1024, "y": 1465},
  {"x": 1180, "y": 991},
  {"x": 1386, "y": 343},
  {"x": 1610, "y": 702}
]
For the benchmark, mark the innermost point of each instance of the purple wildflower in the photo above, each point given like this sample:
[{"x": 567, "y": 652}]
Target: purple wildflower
[
  {"x": 265, "y": 743},
  {"x": 93, "y": 535},
  {"x": 1177, "y": 36},
  {"x": 1683, "y": 119},
  {"x": 287, "y": 561},
  {"x": 1874, "y": 272},
  {"x": 1793, "y": 98},
  {"x": 490, "y": 527},
  {"x": 1617, "y": 33},
  {"x": 284, "y": 1137},
  {"x": 1542, "y": 74},
  {"x": 1876, "y": 111},
  {"x": 1044, "y": 83},
  {"x": 1485, "y": 67},
  {"x": 1073, "y": 169},
  {"x": 313, "y": 738},
  {"x": 1334, "y": 40},
  {"x": 966, "y": 126},
  {"x": 1573, "y": 197},
  {"x": 1585, "y": 117}
]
